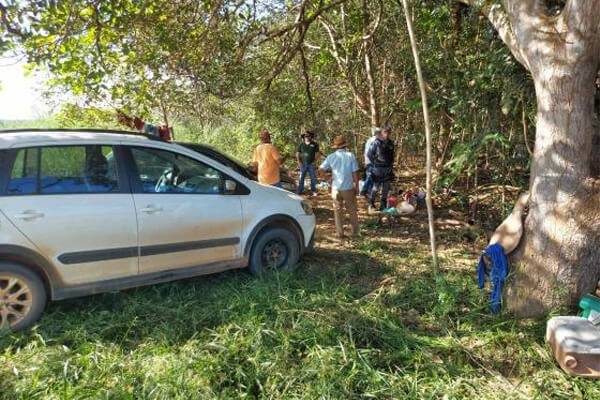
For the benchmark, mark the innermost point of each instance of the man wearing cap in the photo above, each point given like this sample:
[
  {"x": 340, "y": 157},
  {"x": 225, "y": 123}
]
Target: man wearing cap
[
  {"x": 344, "y": 186},
  {"x": 306, "y": 154},
  {"x": 267, "y": 160},
  {"x": 366, "y": 189}
]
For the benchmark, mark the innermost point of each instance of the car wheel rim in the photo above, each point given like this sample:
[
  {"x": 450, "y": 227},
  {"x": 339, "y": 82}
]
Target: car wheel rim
[
  {"x": 15, "y": 301},
  {"x": 275, "y": 253}
]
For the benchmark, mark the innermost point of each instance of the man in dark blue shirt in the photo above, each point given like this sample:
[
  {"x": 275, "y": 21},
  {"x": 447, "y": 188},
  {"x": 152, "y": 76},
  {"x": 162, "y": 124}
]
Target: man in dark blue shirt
[{"x": 381, "y": 156}]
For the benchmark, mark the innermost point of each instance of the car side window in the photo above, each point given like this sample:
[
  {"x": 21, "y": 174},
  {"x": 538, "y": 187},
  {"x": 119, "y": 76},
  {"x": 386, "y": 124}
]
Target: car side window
[
  {"x": 162, "y": 171},
  {"x": 24, "y": 174},
  {"x": 64, "y": 169},
  {"x": 78, "y": 169}
]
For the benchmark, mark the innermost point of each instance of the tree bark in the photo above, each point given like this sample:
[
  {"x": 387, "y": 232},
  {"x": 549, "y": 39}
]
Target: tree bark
[
  {"x": 559, "y": 258},
  {"x": 428, "y": 146},
  {"x": 373, "y": 105}
]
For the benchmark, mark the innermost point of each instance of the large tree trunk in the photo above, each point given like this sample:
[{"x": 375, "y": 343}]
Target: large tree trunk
[{"x": 559, "y": 259}]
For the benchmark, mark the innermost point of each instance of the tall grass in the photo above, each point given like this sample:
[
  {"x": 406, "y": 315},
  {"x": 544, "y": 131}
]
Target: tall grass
[{"x": 362, "y": 322}]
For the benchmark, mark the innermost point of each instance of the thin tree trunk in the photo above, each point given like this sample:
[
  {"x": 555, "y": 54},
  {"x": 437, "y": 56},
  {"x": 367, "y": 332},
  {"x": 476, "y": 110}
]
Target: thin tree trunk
[
  {"x": 373, "y": 106},
  {"x": 370, "y": 71},
  {"x": 309, "y": 97},
  {"x": 428, "y": 146}
]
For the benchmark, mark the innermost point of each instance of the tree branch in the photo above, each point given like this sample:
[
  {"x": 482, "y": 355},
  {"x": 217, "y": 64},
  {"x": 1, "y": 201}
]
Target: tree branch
[
  {"x": 375, "y": 24},
  {"x": 498, "y": 15},
  {"x": 343, "y": 66},
  {"x": 307, "y": 89},
  {"x": 5, "y": 21},
  {"x": 582, "y": 15},
  {"x": 303, "y": 21}
]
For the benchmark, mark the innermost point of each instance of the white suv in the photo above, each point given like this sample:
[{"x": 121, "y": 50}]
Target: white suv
[{"x": 88, "y": 211}]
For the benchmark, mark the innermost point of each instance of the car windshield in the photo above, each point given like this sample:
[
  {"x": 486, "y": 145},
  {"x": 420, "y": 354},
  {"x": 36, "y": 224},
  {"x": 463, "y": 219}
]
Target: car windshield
[{"x": 219, "y": 157}]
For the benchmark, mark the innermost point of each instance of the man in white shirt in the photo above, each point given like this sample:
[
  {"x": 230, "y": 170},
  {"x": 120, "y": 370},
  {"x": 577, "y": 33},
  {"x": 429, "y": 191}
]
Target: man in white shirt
[{"x": 344, "y": 187}]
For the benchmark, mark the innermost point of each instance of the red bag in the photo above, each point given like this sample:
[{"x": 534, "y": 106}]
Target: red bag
[{"x": 392, "y": 201}]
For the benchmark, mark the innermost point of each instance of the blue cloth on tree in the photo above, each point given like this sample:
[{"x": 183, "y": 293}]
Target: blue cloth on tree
[{"x": 498, "y": 273}]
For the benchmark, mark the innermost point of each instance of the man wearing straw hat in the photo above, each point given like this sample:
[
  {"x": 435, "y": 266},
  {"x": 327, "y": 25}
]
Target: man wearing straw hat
[{"x": 344, "y": 186}]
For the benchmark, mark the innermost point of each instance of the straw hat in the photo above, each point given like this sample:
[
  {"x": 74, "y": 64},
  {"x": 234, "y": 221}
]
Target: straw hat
[{"x": 339, "y": 142}]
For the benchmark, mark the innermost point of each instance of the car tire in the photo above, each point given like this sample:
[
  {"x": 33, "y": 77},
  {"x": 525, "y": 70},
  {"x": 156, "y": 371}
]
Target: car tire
[
  {"x": 23, "y": 297},
  {"x": 276, "y": 248}
]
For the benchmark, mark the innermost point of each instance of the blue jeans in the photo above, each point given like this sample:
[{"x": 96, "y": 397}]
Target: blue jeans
[
  {"x": 278, "y": 184},
  {"x": 385, "y": 188},
  {"x": 310, "y": 168},
  {"x": 368, "y": 183}
]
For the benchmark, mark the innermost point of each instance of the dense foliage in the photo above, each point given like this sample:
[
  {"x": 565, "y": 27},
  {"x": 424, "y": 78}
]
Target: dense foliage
[{"x": 219, "y": 70}]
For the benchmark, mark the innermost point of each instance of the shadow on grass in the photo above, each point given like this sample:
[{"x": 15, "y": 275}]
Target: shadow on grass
[
  {"x": 177, "y": 311},
  {"x": 336, "y": 324}
]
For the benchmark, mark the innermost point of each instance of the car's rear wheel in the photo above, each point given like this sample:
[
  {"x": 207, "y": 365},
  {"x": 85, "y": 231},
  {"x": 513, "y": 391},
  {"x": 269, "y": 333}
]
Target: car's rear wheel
[
  {"x": 22, "y": 297},
  {"x": 275, "y": 248}
]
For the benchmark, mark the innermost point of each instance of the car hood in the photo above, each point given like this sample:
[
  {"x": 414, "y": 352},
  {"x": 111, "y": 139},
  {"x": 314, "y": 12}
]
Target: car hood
[{"x": 275, "y": 191}]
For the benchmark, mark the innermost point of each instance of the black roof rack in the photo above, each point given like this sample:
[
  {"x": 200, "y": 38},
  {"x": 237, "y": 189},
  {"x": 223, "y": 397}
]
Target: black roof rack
[{"x": 89, "y": 130}]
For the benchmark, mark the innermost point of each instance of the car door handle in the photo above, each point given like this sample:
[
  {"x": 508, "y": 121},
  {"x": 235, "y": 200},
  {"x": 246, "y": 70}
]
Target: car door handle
[
  {"x": 29, "y": 215},
  {"x": 151, "y": 209}
]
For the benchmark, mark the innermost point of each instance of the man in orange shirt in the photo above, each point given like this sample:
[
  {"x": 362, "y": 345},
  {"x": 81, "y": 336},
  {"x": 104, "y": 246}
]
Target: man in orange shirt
[{"x": 267, "y": 160}]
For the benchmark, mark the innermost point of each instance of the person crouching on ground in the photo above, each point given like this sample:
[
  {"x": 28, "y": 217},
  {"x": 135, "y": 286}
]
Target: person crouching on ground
[
  {"x": 267, "y": 160},
  {"x": 368, "y": 184},
  {"x": 344, "y": 187},
  {"x": 306, "y": 154},
  {"x": 381, "y": 155}
]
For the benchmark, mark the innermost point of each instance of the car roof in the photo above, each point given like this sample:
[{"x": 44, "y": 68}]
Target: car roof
[
  {"x": 11, "y": 137},
  {"x": 196, "y": 145}
]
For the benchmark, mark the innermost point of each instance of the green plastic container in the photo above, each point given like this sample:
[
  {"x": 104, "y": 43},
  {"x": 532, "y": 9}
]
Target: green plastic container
[{"x": 591, "y": 308}]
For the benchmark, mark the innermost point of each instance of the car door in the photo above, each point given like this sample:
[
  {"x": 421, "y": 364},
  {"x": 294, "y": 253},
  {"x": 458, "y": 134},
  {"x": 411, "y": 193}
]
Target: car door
[
  {"x": 185, "y": 219},
  {"x": 73, "y": 203}
]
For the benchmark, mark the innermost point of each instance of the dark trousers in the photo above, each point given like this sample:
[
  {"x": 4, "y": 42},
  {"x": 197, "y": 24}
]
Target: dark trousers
[
  {"x": 310, "y": 168},
  {"x": 385, "y": 188}
]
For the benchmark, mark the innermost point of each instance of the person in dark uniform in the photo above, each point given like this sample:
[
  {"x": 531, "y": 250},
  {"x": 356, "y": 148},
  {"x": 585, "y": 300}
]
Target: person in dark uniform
[
  {"x": 306, "y": 154},
  {"x": 381, "y": 155}
]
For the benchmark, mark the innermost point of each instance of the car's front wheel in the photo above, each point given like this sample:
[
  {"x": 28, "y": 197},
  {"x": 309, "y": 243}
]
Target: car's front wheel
[
  {"x": 22, "y": 297},
  {"x": 276, "y": 248}
]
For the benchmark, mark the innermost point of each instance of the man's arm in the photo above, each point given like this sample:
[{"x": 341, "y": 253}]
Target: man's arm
[
  {"x": 355, "y": 182},
  {"x": 277, "y": 156},
  {"x": 371, "y": 152},
  {"x": 355, "y": 175},
  {"x": 254, "y": 162},
  {"x": 298, "y": 159},
  {"x": 325, "y": 165}
]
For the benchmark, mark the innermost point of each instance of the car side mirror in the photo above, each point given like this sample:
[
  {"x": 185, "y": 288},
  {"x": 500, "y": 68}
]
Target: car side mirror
[{"x": 230, "y": 186}]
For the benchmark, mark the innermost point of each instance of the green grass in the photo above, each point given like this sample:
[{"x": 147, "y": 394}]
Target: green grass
[{"x": 362, "y": 322}]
